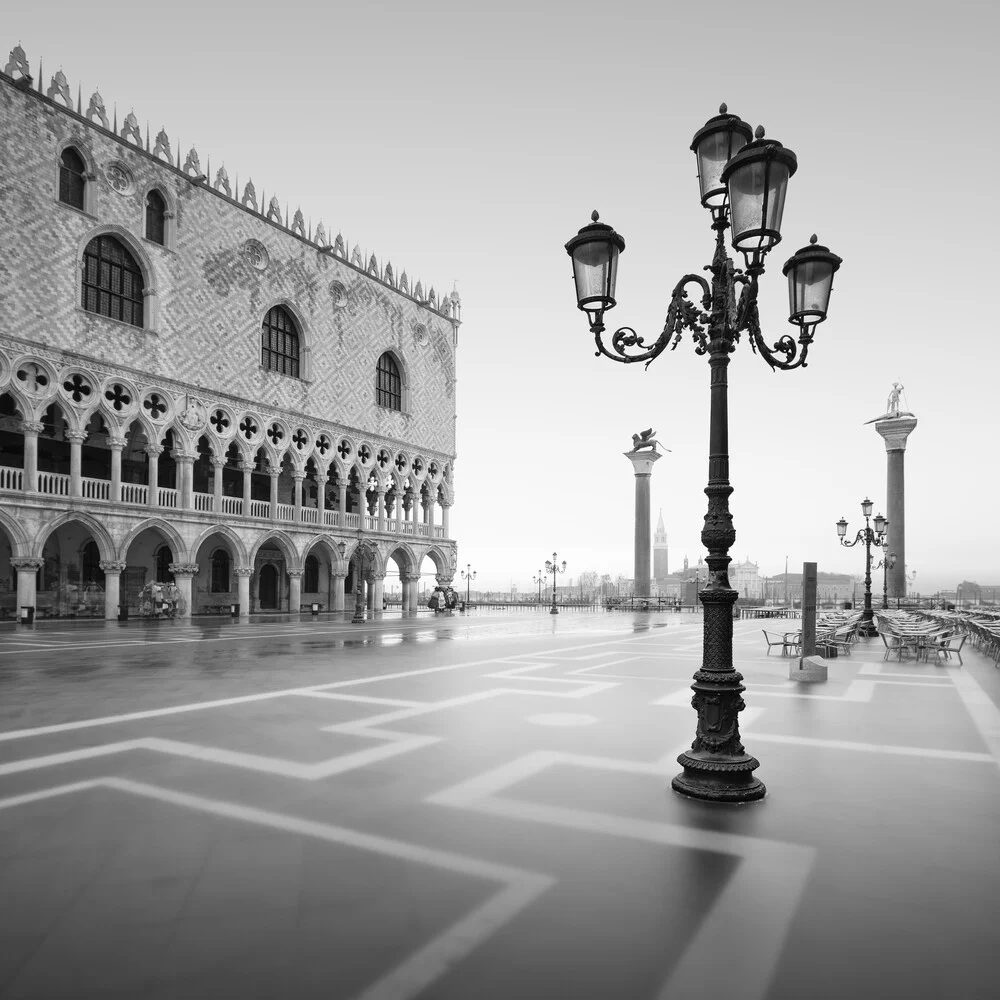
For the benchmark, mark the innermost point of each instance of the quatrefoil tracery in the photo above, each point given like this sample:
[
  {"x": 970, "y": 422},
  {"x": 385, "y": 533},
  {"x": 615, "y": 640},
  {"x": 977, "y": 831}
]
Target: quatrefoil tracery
[
  {"x": 155, "y": 405},
  {"x": 118, "y": 396},
  {"x": 248, "y": 428},
  {"x": 77, "y": 387},
  {"x": 275, "y": 433},
  {"x": 219, "y": 421}
]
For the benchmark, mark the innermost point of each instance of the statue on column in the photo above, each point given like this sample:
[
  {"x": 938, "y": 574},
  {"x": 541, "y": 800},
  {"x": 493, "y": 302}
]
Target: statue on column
[
  {"x": 644, "y": 439},
  {"x": 892, "y": 406}
]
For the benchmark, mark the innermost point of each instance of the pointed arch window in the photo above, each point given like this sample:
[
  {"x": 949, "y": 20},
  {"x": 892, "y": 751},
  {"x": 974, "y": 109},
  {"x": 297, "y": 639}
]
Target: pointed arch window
[
  {"x": 220, "y": 571},
  {"x": 310, "y": 578},
  {"x": 72, "y": 178},
  {"x": 112, "y": 282},
  {"x": 156, "y": 223},
  {"x": 388, "y": 384},
  {"x": 280, "y": 342}
]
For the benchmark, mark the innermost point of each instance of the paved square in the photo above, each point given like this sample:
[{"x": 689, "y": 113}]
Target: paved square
[{"x": 480, "y": 807}]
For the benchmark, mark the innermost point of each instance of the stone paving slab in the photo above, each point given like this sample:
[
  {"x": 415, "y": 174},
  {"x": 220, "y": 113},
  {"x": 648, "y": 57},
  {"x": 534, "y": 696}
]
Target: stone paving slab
[{"x": 480, "y": 807}]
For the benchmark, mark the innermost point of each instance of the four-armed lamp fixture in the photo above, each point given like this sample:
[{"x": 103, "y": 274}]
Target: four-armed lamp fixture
[
  {"x": 743, "y": 177},
  {"x": 870, "y": 537},
  {"x": 552, "y": 566}
]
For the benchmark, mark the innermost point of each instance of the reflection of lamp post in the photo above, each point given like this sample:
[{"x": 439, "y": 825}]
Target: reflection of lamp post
[
  {"x": 870, "y": 537},
  {"x": 743, "y": 184},
  {"x": 360, "y": 551},
  {"x": 552, "y": 567},
  {"x": 468, "y": 575},
  {"x": 539, "y": 579}
]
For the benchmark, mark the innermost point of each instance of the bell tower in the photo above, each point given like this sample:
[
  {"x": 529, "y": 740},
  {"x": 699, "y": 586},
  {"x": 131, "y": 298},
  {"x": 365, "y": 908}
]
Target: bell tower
[{"x": 661, "y": 566}]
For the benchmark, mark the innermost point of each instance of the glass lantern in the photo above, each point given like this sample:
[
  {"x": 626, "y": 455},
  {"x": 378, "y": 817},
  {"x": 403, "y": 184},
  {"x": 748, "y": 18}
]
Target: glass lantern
[
  {"x": 594, "y": 251},
  {"x": 757, "y": 177},
  {"x": 714, "y": 145},
  {"x": 810, "y": 274}
]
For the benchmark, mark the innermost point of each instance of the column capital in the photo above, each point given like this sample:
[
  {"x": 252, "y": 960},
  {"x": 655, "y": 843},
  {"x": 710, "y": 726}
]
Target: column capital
[
  {"x": 112, "y": 565},
  {"x": 322, "y": 480},
  {"x": 183, "y": 456},
  {"x": 446, "y": 503},
  {"x": 24, "y": 563},
  {"x": 154, "y": 450},
  {"x": 338, "y": 576},
  {"x": 298, "y": 475},
  {"x": 116, "y": 443},
  {"x": 643, "y": 461},
  {"x": 76, "y": 437},
  {"x": 244, "y": 570},
  {"x": 409, "y": 577},
  {"x": 218, "y": 462},
  {"x": 32, "y": 426},
  {"x": 895, "y": 431},
  {"x": 184, "y": 569},
  {"x": 376, "y": 576},
  {"x": 295, "y": 574},
  {"x": 245, "y": 466}
]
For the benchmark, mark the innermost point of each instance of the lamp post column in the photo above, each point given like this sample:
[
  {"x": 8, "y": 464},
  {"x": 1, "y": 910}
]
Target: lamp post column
[
  {"x": 867, "y": 617},
  {"x": 717, "y": 766},
  {"x": 642, "y": 463}
]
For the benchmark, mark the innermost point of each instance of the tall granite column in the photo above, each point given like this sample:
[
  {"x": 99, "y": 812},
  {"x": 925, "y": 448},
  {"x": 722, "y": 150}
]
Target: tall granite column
[
  {"x": 895, "y": 428},
  {"x": 642, "y": 460}
]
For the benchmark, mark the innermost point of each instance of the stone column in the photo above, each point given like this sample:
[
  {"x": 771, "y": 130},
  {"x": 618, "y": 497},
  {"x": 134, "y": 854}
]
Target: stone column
[
  {"x": 274, "y": 473},
  {"x": 376, "y": 593},
  {"x": 398, "y": 504},
  {"x": 31, "y": 428},
  {"x": 153, "y": 466},
  {"x": 112, "y": 588},
  {"x": 342, "y": 502},
  {"x": 243, "y": 574},
  {"x": 321, "y": 482},
  {"x": 76, "y": 439},
  {"x": 297, "y": 478},
  {"x": 294, "y": 591},
  {"x": 247, "y": 469},
  {"x": 116, "y": 444},
  {"x": 184, "y": 573},
  {"x": 337, "y": 594},
  {"x": 445, "y": 519},
  {"x": 380, "y": 507},
  {"x": 642, "y": 461},
  {"x": 895, "y": 430},
  {"x": 185, "y": 470},
  {"x": 218, "y": 464},
  {"x": 27, "y": 580},
  {"x": 429, "y": 510}
]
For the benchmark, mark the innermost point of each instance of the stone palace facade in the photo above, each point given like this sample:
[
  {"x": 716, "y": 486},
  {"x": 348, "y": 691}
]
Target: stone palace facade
[{"x": 195, "y": 390}]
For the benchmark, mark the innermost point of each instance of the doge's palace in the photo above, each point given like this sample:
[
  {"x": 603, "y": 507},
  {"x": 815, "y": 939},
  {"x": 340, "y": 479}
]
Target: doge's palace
[{"x": 199, "y": 391}]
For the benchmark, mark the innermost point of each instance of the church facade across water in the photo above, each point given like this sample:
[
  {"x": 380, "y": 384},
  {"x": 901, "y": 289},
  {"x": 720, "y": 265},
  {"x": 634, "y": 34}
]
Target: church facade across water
[{"x": 197, "y": 390}]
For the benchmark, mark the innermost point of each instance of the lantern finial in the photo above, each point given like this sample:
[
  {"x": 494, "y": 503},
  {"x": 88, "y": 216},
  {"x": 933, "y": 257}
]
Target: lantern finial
[
  {"x": 759, "y": 132},
  {"x": 812, "y": 239},
  {"x": 594, "y": 216},
  {"x": 723, "y": 109}
]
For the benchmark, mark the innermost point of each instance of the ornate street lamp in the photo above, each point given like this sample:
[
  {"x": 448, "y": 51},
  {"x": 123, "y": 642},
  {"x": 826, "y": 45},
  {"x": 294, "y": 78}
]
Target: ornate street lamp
[
  {"x": 870, "y": 536},
  {"x": 742, "y": 178},
  {"x": 361, "y": 551},
  {"x": 551, "y": 566},
  {"x": 539, "y": 579},
  {"x": 468, "y": 575}
]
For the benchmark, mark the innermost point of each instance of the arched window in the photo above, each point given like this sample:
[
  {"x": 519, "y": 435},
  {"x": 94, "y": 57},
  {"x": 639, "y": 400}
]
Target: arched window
[
  {"x": 280, "y": 342},
  {"x": 388, "y": 384},
  {"x": 112, "y": 281},
  {"x": 310, "y": 578},
  {"x": 72, "y": 181},
  {"x": 156, "y": 209},
  {"x": 220, "y": 571},
  {"x": 164, "y": 557}
]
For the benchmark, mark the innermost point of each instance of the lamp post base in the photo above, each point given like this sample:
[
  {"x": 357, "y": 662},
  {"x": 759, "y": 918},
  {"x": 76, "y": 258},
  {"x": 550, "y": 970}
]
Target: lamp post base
[
  {"x": 718, "y": 778},
  {"x": 866, "y": 626},
  {"x": 553, "y": 610}
]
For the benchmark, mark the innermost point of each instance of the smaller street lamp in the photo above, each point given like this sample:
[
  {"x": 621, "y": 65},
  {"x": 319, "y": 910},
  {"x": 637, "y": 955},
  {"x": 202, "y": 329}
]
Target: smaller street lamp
[
  {"x": 870, "y": 537},
  {"x": 468, "y": 575},
  {"x": 885, "y": 564},
  {"x": 539, "y": 578},
  {"x": 361, "y": 551},
  {"x": 551, "y": 566}
]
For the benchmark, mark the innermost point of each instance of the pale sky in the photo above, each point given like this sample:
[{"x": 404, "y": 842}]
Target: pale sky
[{"x": 467, "y": 143}]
